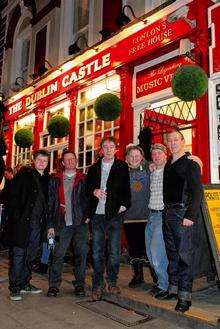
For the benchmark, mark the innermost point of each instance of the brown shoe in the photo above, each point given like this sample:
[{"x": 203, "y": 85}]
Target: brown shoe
[
  {"x": 97, "y": 294},
  {"x": 114, "y": 289}
]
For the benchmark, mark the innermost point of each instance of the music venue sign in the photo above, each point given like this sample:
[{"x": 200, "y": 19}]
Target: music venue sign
[{"x": 127, "y": 50}]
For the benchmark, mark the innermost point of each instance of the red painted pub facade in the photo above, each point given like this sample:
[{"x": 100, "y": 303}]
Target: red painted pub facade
[{"x": 137, "y": 64}]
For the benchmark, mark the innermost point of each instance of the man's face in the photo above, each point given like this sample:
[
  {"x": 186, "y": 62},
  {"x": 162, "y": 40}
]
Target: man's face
[
  {"x": 134, "y": 158},
  {"x": 108, "y": 150},
  {"x": 41, "y": 162},
  {"x": 175, "y": 142},
  {"x": 159, "y": 157},
  {"x": 69, "y": 161}
]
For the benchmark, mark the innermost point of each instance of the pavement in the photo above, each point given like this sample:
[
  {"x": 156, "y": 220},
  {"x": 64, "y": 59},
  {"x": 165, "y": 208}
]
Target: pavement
[{"x": 37, "y": 312}]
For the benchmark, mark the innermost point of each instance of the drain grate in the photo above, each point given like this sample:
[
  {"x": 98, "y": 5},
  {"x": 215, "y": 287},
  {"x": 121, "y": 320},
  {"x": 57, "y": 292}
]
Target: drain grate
[{"x": 116, "y": 313}]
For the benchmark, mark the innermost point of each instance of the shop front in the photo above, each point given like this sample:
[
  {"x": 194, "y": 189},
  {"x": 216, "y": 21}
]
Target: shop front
[{"x": 137, "y": 65}]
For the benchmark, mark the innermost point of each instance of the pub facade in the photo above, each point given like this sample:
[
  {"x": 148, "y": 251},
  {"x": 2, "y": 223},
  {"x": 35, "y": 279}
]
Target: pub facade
[{"x": 137, "y": 64}]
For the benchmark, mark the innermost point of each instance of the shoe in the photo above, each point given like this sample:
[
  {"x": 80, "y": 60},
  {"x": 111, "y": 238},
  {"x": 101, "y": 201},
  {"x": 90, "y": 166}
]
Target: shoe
[
  {"x": 97, "y": 294},
  {"x": 52, "y": 292},
  {"x": 15, "y": 296},
  {"x": 171, "y": 296},
  {"x": 183, "y": 305},
  {"x": 138, "y": 275},
  {"x": 79, "y": 291},
  {"x": 162, "y": 294},
  {"x": 30, "y": 289},
  {"x": 154, "y": 290},
  {"x": 114, "y": 289}
]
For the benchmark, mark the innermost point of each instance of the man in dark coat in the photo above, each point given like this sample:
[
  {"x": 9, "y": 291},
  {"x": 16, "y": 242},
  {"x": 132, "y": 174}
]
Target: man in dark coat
[
  {"x": 108, "y": 189},
  {"x": 26, "y": 208},
  {"x": 67, "y": 219}
]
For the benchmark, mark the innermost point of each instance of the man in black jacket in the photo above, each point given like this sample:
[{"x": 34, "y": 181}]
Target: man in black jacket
[
  {"x": 26, "y": 208},
  {"x": 67, "y": 219},
  {"x": 182, "y": 194},
  {"x": 108, "y": 189}
]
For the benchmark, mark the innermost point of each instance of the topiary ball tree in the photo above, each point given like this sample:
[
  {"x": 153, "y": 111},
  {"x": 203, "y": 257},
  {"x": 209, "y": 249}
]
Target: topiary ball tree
[
  {"x": 189, "y": 82},
  {"x": 24, "y": 137},
  {"x": 58, "y": 126},
  {"x": 107, "y": 107}
]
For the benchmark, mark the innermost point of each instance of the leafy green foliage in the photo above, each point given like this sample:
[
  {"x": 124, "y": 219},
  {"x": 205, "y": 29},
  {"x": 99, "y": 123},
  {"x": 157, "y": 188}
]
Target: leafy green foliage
[
  {"x": 108, "y": 107},
  {"x": 189, "y": 82}
]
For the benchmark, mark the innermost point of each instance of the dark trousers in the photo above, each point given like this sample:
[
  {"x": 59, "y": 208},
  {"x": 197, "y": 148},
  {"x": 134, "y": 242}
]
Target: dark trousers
[
  {"x": 102, "y": 228},
  {"x": 20, "y": 269},
  {"x": 135, "y": 234},
  {"x": 79, "y": 236},
  {"x": 180, "y": 247}
]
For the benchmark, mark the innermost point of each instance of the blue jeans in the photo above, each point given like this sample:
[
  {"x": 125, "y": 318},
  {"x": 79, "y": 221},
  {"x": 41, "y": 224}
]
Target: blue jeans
[
  {"x": 102, "y": 228},
  {"x": 20, "y": 270},
  {"x": 180, "y": 247},
  {"x": 155, "y": 248},
  {"x": 79, "y": 236}
]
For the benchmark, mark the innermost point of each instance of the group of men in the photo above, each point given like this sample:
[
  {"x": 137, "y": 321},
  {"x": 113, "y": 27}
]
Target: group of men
[{"x": 64, "y": 204}]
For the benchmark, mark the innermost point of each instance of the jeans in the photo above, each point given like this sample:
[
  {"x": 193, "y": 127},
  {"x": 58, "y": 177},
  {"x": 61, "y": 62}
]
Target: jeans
[
  {"x": 155, "y": 248},
  {"x": 20, "y": 270},
  {"x": 102, "y": 228},
  {"x": 180, "y": 245},
  {"x": 79, "y": 236}
]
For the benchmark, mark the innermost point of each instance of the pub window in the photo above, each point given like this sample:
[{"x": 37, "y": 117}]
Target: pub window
[
  {"x": 81, "y": 20},
  {"x": 90, "y": 131},
  {"x": 23, "y": 156}
]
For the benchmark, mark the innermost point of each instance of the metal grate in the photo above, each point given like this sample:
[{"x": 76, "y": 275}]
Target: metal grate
[
  {"x": 161, "y": 119},
  {"x": 116, "y": 313}
]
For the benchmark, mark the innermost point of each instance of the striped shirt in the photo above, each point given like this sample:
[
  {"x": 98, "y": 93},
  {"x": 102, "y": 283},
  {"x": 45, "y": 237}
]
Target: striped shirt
[{"x": 156, "y": 190}]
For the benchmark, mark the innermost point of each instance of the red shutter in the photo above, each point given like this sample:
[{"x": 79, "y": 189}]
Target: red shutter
[
  {"x": 40, "y": 50},
  {"x": 111, "y": 10}
]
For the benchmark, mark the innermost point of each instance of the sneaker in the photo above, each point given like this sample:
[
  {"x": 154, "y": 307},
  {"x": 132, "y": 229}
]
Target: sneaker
[
  {"x": 114, "y": 289},
  {"x": 15, "y": 296},
  {"x": 79, "y": 291},
  {"x": 52, "y": 292},
  {"x": 30, "y": 289}
]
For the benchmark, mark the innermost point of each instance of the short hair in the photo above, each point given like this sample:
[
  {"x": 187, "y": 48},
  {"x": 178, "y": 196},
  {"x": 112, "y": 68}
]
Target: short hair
[
  {"x": 42, "y": 152},
  {"x": 176, "y": 130},
  {"x": 109, "y": 139},
  {"x": 130, "y": 148},
  {"x": 67, "y": 151}
]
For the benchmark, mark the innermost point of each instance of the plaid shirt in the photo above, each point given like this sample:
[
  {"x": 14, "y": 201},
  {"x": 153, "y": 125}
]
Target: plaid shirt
[{"x": 156, "y": 190}]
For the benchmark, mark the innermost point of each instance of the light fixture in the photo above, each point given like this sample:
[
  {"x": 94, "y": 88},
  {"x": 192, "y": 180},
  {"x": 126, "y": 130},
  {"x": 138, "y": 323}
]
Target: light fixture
[
  {"x": 123, "y": 19},
  {"x": 191, "y": 56},
  {"x": 74, "y": 48},
  {"x": 106, "y": 33},
  {"x": 16, "y": 86}
]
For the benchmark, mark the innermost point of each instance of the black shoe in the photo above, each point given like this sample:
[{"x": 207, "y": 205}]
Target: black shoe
[
  {"x": 171, "y": 296},
  {"x": 183, "y": 305},
  {"x": 154, "y": 290},
  {"x": 79, "y": 291},
  {"x": 135, "y": 282},
  {"x": 52, "y": 292},
  {"x": 162, "y": 294}
]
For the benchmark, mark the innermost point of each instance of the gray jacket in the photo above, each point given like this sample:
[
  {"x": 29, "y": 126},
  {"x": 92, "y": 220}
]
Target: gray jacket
[{"x": 140, "y": 193}]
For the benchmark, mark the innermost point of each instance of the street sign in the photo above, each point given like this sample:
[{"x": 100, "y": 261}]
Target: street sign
[{"x": 211, "y": 214}]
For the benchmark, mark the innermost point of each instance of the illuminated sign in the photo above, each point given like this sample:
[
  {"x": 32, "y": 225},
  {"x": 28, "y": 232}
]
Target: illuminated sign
[
  {"x": 129, "y": 49},
  {"x": 149, "y": 81},
  {"x": 211, "y": 212}
]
